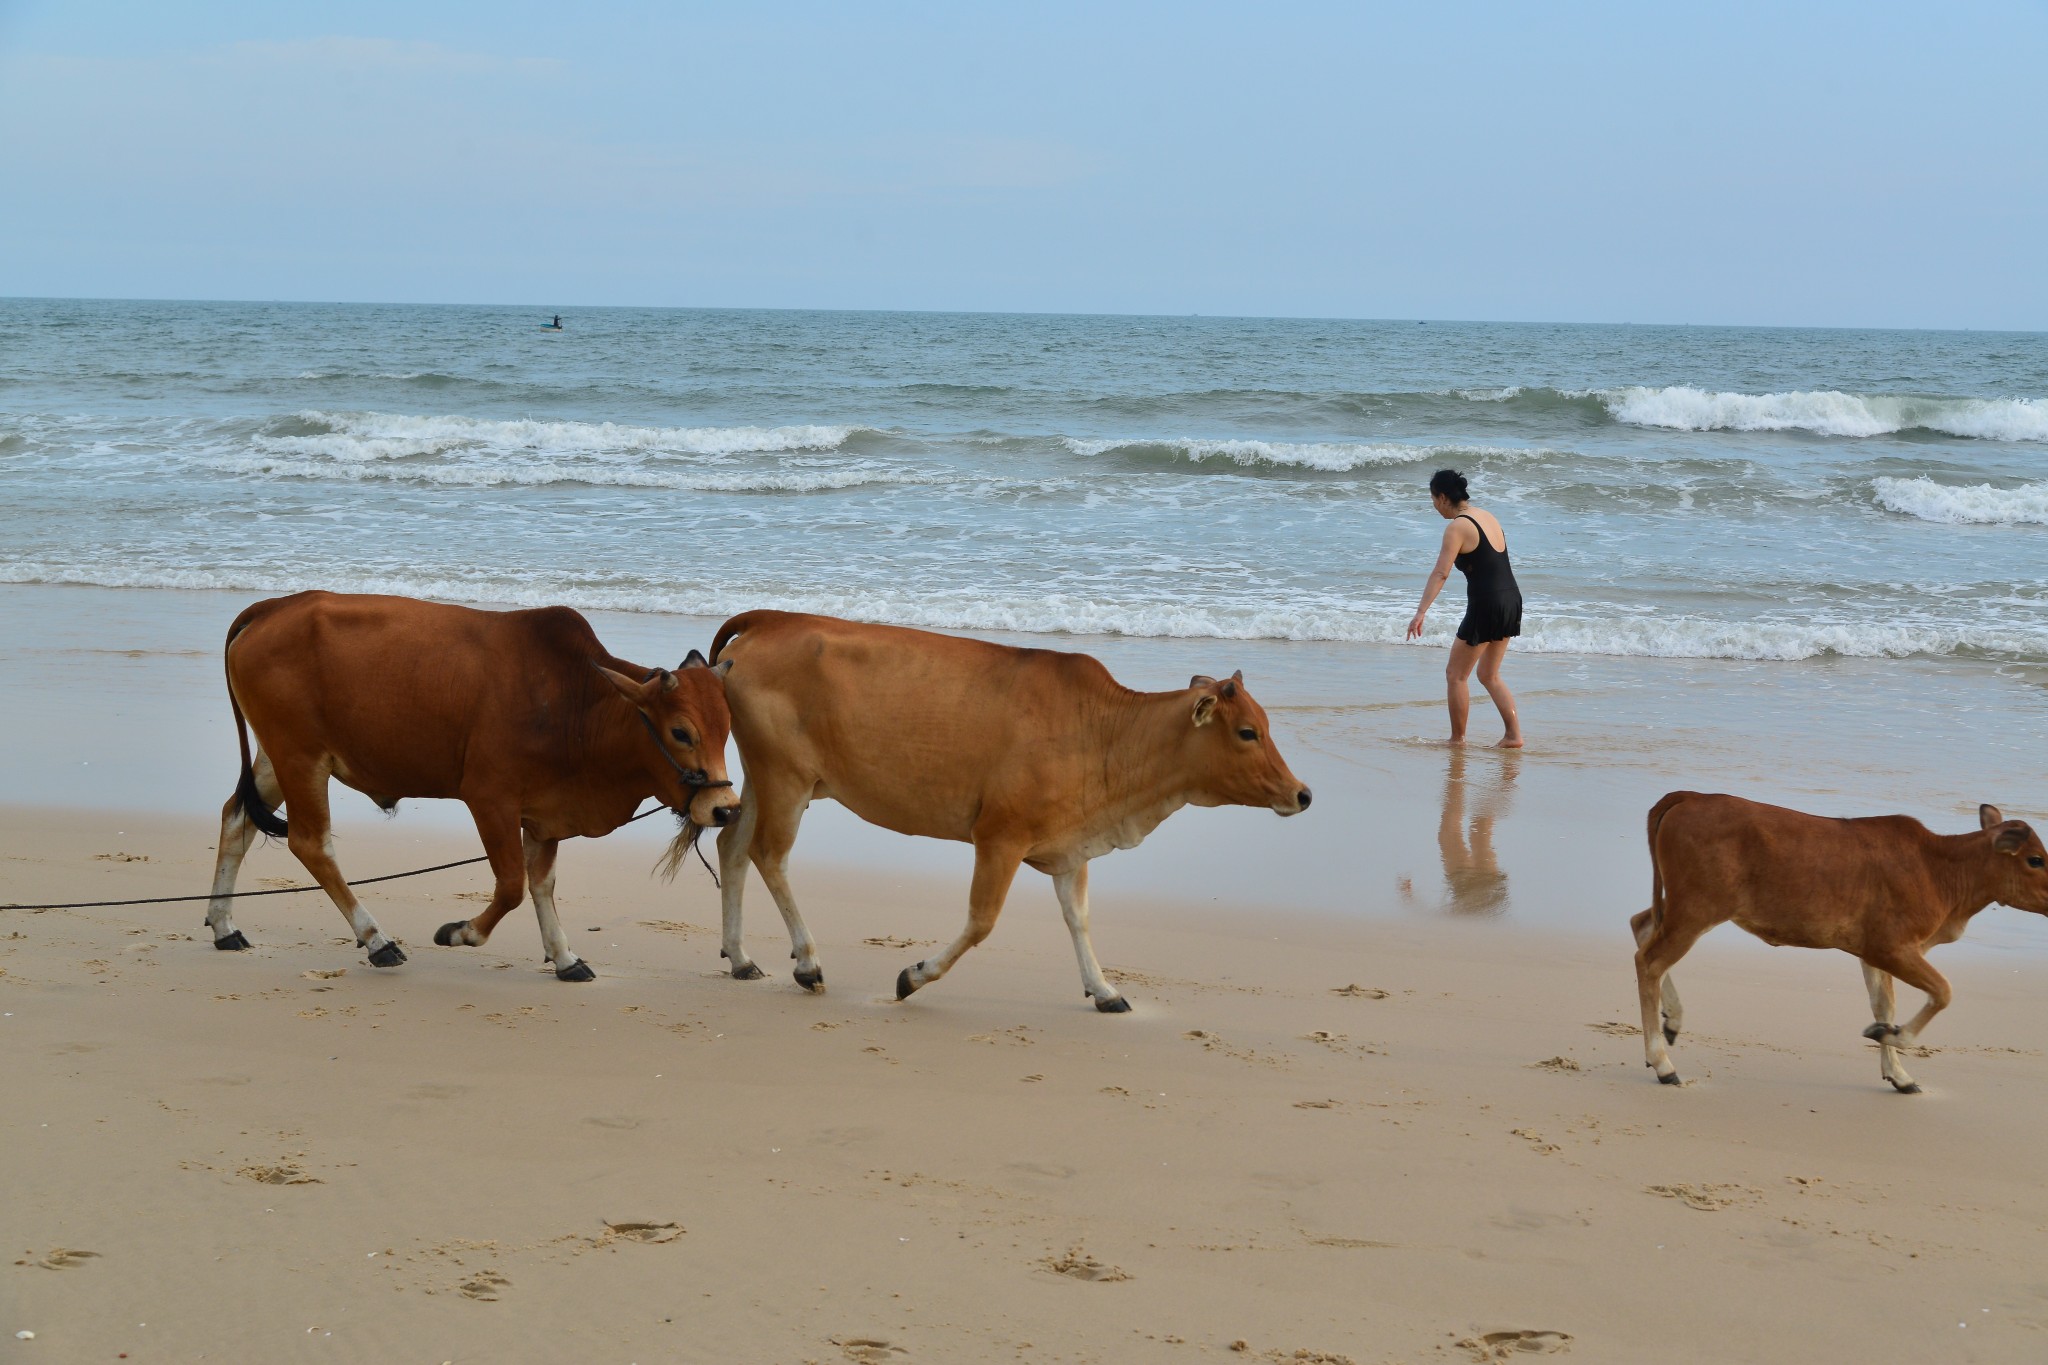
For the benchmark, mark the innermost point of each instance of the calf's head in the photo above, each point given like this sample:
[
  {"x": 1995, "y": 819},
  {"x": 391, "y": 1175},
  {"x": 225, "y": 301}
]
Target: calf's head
[
  {"x": 2019, "y": 875},
  {"x": 1231, "y": 750},
  {"x": 687, "y": 712}
]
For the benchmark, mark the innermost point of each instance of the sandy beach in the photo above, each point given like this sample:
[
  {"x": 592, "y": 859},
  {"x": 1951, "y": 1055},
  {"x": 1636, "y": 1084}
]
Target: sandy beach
[{"x": 1395, "y": 1117}]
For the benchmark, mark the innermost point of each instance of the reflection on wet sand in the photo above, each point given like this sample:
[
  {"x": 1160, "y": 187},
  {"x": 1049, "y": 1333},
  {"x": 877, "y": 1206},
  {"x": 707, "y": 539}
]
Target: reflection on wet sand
[{"x": 1473, "y": 881}]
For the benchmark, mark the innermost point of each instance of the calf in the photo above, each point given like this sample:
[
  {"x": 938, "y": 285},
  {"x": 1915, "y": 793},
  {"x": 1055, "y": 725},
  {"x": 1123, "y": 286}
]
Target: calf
[{"x": 1884, "y": 888}]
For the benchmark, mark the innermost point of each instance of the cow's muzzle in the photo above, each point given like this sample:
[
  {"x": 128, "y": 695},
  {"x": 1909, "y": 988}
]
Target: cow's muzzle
[{"x": 722, "y": 816}]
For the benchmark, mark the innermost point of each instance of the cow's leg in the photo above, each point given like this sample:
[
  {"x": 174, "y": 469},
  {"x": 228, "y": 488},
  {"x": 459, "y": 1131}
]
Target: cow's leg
[
  {"x": 237, "y": 833},
  {"x": 1911, "y": 967},
  {"x": 312, "y": 842},
  {"x": 502, "y": 837},
  {"x": 1879, "y": 984},
  {"x": 734, "y": 843},
  {"x": 1072, "y": 889},
  {"x": 994, "y": 869},
  {"x": 1658, "y": 954},
  {"x": 774, "y": 836},
  {"x": 1674, "y": 1013},
  {"x": 540, "y": 882}
]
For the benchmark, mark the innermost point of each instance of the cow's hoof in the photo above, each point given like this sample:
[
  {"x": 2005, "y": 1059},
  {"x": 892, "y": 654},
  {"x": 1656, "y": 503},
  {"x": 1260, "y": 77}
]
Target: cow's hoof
[
  {"x": 1116, "y": 1004},
  {"x": 903, "y": 985},
  {"x": 751, "y": 972},
  {"x": 812, "y": 981},
  {"x": 1909, "y": 1088},
  {"x": 390, "y": 955},
  {"x": 1670, "y": 1035},
  {"x": 575, "y": 971},
  {"x": 1877, "y": 1033},
  {"x": 233, "y": 943},
  {"x": 449, "y": 934},
  {"x": 1671, "y": 1079}
]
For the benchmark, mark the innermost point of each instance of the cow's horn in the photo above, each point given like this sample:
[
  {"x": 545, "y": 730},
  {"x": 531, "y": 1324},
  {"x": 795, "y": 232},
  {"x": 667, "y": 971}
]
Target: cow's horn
[{"x": 1201, "y": 680}]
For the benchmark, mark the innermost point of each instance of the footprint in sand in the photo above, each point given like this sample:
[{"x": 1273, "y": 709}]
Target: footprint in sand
[
  {"x": 1707, "y": 1198},
  {"x": 64, "y": 1258},
  {"x": 619, "y": 1121},
  {"x": 868, "y": 1350},
  {"x": 1555, "y": 1064},
  {"x": 643, "y": 1231},
  {"x": 284, "y": 1173},
  {"x": 1077, "y": 1264},
  {"x": 483, "y": 1286},
  {"x": 1507, "y": 1345}
]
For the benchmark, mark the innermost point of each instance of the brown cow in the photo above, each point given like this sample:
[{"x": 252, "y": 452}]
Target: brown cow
[
  {"x": 1031, "y": 755},
  {"x": 1884, "y": 888},
  {"x": 521, "y": 715}
]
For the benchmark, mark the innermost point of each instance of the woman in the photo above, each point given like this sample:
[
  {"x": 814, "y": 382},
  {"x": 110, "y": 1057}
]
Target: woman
[{"x": 1475, "y": 542}]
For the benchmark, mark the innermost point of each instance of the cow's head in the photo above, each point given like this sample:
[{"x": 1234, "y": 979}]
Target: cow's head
[
  {"x": 687, "y": 712},
  {"x": 1235, "y": 760},
  {"x": 2019, "y": 864}
]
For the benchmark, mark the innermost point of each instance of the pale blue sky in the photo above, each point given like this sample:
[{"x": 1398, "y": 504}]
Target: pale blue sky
[{"x": 1856, "y": 164}]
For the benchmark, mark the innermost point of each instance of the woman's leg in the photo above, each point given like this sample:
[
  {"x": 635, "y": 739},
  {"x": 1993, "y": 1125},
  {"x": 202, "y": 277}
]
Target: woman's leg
[
  {"x": 1458, "y": 680},
  {"x": 1491, "y": 654}
]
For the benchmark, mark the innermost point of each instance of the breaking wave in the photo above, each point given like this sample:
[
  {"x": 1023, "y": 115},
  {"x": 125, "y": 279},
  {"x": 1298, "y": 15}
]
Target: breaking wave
[
  {"x": 1827, "y": 412},
  {"x": 1331, "y": 456},
  {"x": 1975, "y": 505},
  {"x": 356, "y": 436}
]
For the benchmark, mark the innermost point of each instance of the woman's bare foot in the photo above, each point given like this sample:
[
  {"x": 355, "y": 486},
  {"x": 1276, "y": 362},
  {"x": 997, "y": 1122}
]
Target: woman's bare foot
[
  {"x": 1510, "y": 742},
  {"x": 1455, "y": 741}
]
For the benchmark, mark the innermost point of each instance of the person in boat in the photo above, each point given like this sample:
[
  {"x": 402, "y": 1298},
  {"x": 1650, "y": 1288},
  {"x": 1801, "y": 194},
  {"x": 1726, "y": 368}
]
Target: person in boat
[
  {"x": 557, "y": 323},
  {"x": 1475, "y": 543}
]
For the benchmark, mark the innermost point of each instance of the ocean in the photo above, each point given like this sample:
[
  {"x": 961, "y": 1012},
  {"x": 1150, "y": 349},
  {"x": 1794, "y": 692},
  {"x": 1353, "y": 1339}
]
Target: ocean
[{"x": 1676, "y": 492}]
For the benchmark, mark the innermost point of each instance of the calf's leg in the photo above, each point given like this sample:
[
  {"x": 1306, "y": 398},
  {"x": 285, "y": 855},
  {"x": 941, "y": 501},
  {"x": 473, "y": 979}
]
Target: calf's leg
[
  {"x": 1879, "y": 984},
  {"x": 994, "y": 869},
  {"x": 772, "y": 813},
  {"x": 1072, "y": 889},
  {"x": 1912, "y": 967},
  {"x": 1658, "y": 954},
  {"x": 1674, "y": 1013},
  {"x": 312, "y": 842},
  {"x": 237, "y": 833},
  {"x": 540, "y": 880},
  {"x": 734, "y": 844}
]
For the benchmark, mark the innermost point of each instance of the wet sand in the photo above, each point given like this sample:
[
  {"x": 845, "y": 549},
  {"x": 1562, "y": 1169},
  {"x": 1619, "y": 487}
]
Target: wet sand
[{"x": 1395, "y": 1112}]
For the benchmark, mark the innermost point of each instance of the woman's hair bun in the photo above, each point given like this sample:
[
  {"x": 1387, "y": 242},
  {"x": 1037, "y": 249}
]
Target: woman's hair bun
[{"x": 1449, "y": 483}]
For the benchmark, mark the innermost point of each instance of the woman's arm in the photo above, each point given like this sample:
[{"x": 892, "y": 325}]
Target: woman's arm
[{"x": 1438, "y": 576}]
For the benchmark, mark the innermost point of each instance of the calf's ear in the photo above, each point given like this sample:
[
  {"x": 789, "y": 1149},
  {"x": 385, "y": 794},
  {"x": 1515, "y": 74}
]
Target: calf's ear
[
  {"x": 693, "y": 660},
  {"x": 1205, "y": 710},
  {"x": 2012, "y": 838},
  {"x": 1201, "y": 680},
  {"x": 1987, "y": 816}
]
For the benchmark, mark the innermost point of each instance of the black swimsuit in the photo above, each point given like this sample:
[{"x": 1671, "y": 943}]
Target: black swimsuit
[{"x": 1493, "y": 600}]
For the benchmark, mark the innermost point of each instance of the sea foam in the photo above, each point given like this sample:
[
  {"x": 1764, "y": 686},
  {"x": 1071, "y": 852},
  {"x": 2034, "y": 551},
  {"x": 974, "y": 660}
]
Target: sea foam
[
  {"x": 1974, "y": 505},
  {"x": 1331, "y": 456},
  {"x": 384, "y": 436},
  {"x": 1828, "y": 412}
]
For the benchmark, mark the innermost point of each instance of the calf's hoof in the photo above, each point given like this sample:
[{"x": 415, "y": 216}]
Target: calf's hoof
[
  {"x": 1668, "y": 1079},
  {"x": 233, "y": 943},
  {"x": 390, "y": 955},
  {"x": 1670, "y": 1035},
  {"x": 1909, "y": 1088},
  {"x": 903, "y": 984},
  {"x": 1877, "y": 1033},
  {"x": 812, "y": 981},
  {"x": 449, "y": 934},
  {"x": 750, "y": 972},
  {"x": 1116, "y": 1004},
  {"x": 575, "y": 971}
]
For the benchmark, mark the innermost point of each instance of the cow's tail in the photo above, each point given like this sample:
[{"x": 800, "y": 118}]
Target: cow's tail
[
  {"x": 1656, "y": 821},
  {"x": 737, "y": 626},
  {"x": 261, "y": 814}
]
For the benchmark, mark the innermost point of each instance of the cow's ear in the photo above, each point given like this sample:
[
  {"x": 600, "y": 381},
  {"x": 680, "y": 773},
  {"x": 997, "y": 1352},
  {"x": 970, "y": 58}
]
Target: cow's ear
[
  {"x": 694, "y": 660},
  {"x": 722, "y": 667},
  {"x": 1205, "y": 709},
  {"x": 2012, "y": 838},
  {"x": 631, "y": 689},
  {"x": 1201, "y": 680},
  {"x": 1987, "y": 816}
]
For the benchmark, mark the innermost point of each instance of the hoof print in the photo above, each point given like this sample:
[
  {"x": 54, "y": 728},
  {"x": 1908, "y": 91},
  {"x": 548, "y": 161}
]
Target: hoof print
[
  {"x": 575, "y": 971},
  {"x": 1116, "y": 1004},
  {"x": 233, "y": 943},
  {"x": 390, "y": 955},
  {"x": 483, "y": 1286},
  {"x": 1079, "y": 1265},
  {"x": 1508, "y": 1345}
]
